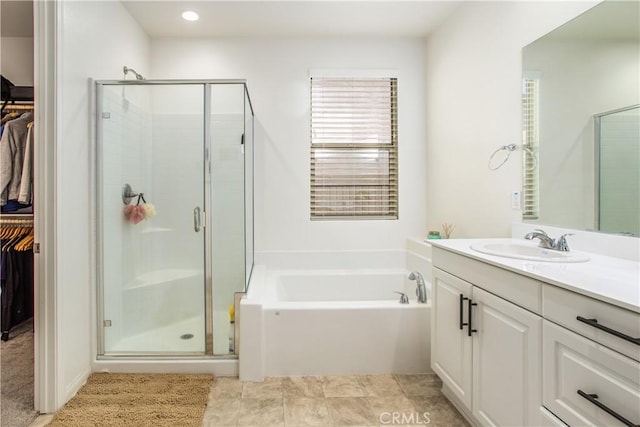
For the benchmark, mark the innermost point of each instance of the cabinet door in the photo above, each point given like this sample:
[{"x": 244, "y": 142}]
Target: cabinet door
[
  {"x": 587, "y": 384},
  {"x": 451, "y": 345},
  {"x": 506, "y": 362}
]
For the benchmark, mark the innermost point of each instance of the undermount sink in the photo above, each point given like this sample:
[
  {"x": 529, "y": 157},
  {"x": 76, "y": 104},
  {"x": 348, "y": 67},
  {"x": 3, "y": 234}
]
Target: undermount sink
[{"x": 527, "y": 252}]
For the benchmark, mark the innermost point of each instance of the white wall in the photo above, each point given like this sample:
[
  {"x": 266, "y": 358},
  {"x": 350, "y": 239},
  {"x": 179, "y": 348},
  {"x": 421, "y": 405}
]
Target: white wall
[
  {"x": 277, "y": 73},
  {"x": 16, "y": 59},
  {"x": 474, "y": 106},
  {"x": 96, "y": 40}
]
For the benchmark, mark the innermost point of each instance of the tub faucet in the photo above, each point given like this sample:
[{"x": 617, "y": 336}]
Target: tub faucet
[
  {"x": 559, "y": 244},
  {"x": 404, "y": 299},
  {"x": 421, "y": 289}
]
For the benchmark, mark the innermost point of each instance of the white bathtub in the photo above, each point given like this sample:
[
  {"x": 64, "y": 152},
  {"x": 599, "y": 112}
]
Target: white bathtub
[
  {"x": 333, "y": 322},
  {"x": 339, "y": 285}
]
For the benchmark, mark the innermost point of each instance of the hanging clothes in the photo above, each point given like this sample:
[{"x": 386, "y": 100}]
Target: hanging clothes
[
  {"x": 26, "y": 180},
  {"x": 16, "y": 277},
  {"x": 17, "y": 290},
  {"x": 14, "y": 144}
]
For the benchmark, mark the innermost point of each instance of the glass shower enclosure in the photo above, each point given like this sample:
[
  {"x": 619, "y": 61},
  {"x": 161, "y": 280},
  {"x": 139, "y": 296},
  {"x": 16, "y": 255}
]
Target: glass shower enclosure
[
  {"x": 617, "y": 171},
  {"x": 174, "y": 162}
]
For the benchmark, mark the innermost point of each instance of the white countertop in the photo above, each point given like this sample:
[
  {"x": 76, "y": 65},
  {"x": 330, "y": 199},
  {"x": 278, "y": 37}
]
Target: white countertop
[{"x": 613, "y": 280}]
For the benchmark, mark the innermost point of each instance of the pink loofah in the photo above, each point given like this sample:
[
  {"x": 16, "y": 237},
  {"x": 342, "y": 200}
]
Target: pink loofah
[
  {"x": 134, "y": 214},
  {"x": 127, "y": 210},
  {"x": 137, "y": 214}
]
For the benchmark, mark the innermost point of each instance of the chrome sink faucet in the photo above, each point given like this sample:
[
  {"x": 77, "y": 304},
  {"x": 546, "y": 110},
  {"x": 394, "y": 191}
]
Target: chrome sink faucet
[
  {"x": 559, "y": 244},
  {"x": 421, "y": 289},
  {"x": 545, "y": 241}
]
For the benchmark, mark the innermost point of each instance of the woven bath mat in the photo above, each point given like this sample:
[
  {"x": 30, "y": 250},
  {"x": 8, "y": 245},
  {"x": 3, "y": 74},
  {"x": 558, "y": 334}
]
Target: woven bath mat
[{"x": 154, "y": 400}]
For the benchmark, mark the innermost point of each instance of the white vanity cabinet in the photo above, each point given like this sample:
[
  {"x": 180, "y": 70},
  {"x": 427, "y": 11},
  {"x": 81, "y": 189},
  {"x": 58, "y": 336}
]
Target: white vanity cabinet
[
  {"x": 506, "y": 362},
  {"x": 451, "y": 354},
  {"x": 591, "y": 368},
  {"x": 587, "y": 384},
  {"x": 485, "y": 348},
  {"x": 536, "y": 344}
]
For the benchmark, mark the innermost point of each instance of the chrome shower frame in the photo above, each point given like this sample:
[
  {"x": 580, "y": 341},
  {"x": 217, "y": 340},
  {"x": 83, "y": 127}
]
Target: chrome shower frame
[
  {"x": 99, "y": 290},
  {"x": 597, "y": 119}
]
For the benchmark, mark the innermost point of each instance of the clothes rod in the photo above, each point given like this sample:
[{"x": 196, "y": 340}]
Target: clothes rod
[
  {"x": 16, "y": 217},
  {"x": 18, "y": 107},
  {"x": 16, "y": 224}
]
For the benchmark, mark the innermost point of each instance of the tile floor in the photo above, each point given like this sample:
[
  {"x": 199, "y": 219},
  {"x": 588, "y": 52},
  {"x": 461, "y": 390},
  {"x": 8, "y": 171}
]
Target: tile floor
[
  {"x": 363, "y": 400},
  {"x": 332, "y": 401}
]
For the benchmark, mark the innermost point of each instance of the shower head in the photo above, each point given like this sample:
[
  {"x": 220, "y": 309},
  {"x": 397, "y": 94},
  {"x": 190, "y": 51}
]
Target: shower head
[{"x": 127, "y": 70}]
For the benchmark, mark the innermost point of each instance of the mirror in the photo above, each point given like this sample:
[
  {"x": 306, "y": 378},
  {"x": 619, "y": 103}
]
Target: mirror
[{"x": 581, "y": 131}]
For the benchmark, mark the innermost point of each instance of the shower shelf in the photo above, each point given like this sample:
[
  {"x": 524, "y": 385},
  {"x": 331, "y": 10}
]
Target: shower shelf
[
  {"x": 164, "y": 276},
  {"x": 156, "y": 230}
]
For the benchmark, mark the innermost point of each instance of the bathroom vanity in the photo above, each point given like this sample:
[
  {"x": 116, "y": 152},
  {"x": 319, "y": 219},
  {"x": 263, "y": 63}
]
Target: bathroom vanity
[{"x": 519, "y": 342}]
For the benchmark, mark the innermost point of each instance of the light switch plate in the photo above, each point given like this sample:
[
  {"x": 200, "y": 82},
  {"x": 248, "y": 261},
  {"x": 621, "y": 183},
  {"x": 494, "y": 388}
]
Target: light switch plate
[{"x": 515, "y": 200}]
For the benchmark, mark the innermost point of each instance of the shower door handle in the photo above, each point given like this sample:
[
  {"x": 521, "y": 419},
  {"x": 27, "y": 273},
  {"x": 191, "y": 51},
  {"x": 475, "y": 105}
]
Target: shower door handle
[{"x": 196, "y": 219}]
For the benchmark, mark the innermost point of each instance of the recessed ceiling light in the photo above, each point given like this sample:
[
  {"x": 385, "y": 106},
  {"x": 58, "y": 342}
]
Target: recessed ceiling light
[{"x": 190, "y": 15}]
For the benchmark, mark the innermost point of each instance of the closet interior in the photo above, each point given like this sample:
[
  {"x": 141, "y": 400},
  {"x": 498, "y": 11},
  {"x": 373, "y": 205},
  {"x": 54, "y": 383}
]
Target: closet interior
[
  {"x": 16, "y": 206},
  {"x": 17, "y": 142},
  {"x": 16, "y": 258}
]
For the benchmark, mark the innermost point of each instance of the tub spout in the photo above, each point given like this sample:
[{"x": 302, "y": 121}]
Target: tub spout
[{"x": 421, "y": 289}]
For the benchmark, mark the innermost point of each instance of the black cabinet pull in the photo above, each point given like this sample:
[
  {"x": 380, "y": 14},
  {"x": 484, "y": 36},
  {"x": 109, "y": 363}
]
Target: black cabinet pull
[
  {"x": 469, "y": 325},
  {"x": 462, "y": 299},
  {"x": 595, "y": 324},
  {"x": 593, "y": 399}
]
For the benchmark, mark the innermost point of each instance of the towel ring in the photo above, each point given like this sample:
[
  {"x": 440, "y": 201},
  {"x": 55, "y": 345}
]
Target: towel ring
[{"x": 508, "y": 148}]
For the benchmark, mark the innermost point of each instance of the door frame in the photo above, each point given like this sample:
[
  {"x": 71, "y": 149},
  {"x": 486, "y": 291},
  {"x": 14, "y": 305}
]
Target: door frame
[{"x": 47, "y": 15}]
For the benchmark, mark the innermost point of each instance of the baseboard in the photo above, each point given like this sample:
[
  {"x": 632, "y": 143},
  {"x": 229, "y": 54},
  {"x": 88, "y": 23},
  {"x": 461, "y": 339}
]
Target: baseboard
[
  {"x": 73, "y": 388},
  {"x": 218, "y": 367},
  {"x": 459, "y": 406}
]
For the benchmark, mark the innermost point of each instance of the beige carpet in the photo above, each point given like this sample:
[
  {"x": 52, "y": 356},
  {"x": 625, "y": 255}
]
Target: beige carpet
[
  {"x": 156, "y": 400},
  {"x": 16, "y": 377}
]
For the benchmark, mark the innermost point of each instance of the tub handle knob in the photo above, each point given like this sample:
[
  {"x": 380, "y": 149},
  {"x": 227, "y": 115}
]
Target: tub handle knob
[{"x": 404, "y": 299}]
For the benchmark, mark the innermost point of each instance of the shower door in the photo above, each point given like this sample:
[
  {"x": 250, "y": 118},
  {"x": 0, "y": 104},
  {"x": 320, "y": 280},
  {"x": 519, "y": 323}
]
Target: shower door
[
  {"x": 618, "y": 171},
  {"x": 152, "y": 177}
]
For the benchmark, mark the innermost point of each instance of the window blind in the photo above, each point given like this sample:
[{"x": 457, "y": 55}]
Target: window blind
[
  {"x": 354, "y": 142},
  {"x": 530, "y": 142}
]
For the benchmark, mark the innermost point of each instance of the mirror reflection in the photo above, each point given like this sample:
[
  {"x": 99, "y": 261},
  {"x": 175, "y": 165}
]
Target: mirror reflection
[
  {"x": 581, "y": 132},
  {"x": 617, "y": 166}
]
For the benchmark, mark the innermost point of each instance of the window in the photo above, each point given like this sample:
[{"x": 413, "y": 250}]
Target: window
[
  {"x": 354, "y": 148},
  {"x": 530, "y": 148}
]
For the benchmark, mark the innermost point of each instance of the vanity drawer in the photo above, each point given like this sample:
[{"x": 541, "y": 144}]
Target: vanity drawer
[
  {"x": 564, "y": 307},
  {"x": 515, "y": 288},
  {"x": 549, "y": 419},
  {"x": 576, "y": 370}
]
